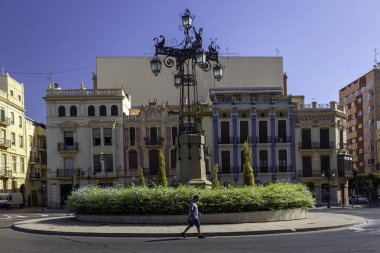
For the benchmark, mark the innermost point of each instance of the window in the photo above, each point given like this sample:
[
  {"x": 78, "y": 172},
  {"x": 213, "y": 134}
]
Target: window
[
  {"x": 281, "y": 129},
  {"x": 19, "y": 121},
  {"x": 226, "y": 162},
  {"x": 371, "y": 161},
  {"x": 13, "y": 139},
  {"x": 263, "y": 131},
  {"x": 108, "y": 162},
  {"x": 96, "y": 141},
  {"x": 132, "y": 136},
  {"x": 325, "y": 164},
  {"x": 30, "y": 141},
  {"x": 225, "y": 132},
  {"x": 173, "y": 158},
  {"x": 11, "y": 93},
  {"x": 359, "y": 101},
  {"x": 324, "y": 138},
  {"x": 97, "y": 164},
  {"x": 114, "y": 110},
  {"x": 107, "y": 135},
  {"x": 14, "y": 164},
  {"x": 174, "y": 134},
  {"x": 61, "y": 111},
  {"x": 102, "y": 110},
  {"x": 263, "y": 156},
  {"x": 353, "y": 116},
  {"x": 22, "y": 165},
  {"x": 19, "y": 97},
  {"x": 370, "y": 148},
  {"x": 244, "y": 131},
  {"x": 360, "y": 113},
  {"x": 361, "y": 151},
  {"x": 21, "y": 141},
  {"x": 306, "y": 138},
  {"x": 360, "y": 125},
  {"x": 353, "y": 128},
  {"x": 91, "y": 110},
  {"x": 307, "y": 169},
  {"x": 353, "y": 141},
  {"x": 73, "y": 111},
  {"x": 133, "y": 159},
  {"x": 12, "y": 118},
  {"x": 2, "y": 114},
  {"x": 282, "y": 161},
  {"x": 360, "y": 138},
  {"x": 68, "y": 138}
]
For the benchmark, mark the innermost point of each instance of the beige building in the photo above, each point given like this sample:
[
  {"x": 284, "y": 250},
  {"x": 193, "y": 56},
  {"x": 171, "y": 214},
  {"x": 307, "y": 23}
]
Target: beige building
[
  {"x": 134, "y": 75},
  {"x": 84, "y": 131},
  {"x": 322, "y": 158}
]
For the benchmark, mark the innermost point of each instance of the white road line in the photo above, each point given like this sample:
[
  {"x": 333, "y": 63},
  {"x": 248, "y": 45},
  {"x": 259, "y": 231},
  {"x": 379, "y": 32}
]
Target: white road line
[
  {"x": 42, "y": 215},
  {"x": 8, "y": 217},
  {"x": 20, "y": 216}
]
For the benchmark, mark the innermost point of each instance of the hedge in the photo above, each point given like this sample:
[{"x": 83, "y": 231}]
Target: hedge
[{"x": 93, "y": 200}]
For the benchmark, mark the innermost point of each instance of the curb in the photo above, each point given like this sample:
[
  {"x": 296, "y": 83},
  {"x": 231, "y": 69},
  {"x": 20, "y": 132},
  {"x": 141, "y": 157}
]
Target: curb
[{"x": 155, "y": 235}]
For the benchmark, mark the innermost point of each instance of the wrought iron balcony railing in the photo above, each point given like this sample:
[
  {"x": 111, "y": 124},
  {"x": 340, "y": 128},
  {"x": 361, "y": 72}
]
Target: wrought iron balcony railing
[
  {"x": 68, "y": 172},
  {"x": 66, "y": 147}
]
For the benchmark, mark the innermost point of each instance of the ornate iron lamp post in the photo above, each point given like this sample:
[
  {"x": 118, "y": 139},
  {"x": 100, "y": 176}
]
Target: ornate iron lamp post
[
  {"x": 329, "y": 173},
  {"x": 187, "y": 57}
]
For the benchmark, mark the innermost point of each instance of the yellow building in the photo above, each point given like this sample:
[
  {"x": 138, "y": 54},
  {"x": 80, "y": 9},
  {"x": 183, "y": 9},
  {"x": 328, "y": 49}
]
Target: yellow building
[
  {"x": 12, "y": 135},
  {"x": 22, "y": 146}
]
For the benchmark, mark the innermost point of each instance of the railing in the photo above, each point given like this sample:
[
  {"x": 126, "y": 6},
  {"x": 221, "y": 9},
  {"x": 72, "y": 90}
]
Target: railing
[
  {"x": 324, "y": 145},
  {"x": 5, "y": 121},
  {"x": 41, "y": 146},
  {"x": 68, "y": 172},
  {"x": 34, "y": 175},
  {"x": 153, "y": 141},
  {"x": 305, "y": 145},
  {"x": 284, "y": 168},
  {"x": 86, "y": 92},
  {"x": 34, "y": 160},
  {"x": 225, "y": 140},
  {"x": 343, "y": 145},
  {"x": 242, "y": 139},
  {"x": 264, "y": 169},
  {"x": 264, "y": 139},
  {"x": 5, "y": 143},
  {"x": 65, "y": 147},
  {"x": 285, "y": 139}
]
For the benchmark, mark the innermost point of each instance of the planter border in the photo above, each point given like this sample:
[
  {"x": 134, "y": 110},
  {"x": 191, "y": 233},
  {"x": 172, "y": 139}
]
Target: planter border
[{"x": 217, "y": 218}]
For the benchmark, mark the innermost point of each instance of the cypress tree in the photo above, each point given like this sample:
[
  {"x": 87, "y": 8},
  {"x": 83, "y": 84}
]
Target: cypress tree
[
  {"x": 141, "y": 178},
  {"x": 248, "y": 176},
  {"x": 162, "y": 180},
  {"x": 214, "y": 179}
]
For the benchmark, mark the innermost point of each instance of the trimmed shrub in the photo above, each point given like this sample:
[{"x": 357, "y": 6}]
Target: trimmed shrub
[
  {"x": 93, "y": 200},
  {"x": 248, "y": 176},
  {"x": 161, "y": 176},
  {"x": 141, "y": 178},
  {"x": 214, "y": 179}
]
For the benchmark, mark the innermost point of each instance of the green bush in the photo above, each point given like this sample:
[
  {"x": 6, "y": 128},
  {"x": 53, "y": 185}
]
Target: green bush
[{"x": 93, "y": 200}]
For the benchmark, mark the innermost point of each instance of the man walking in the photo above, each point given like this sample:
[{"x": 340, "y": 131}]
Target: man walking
[{"x": 192, "y": 218}]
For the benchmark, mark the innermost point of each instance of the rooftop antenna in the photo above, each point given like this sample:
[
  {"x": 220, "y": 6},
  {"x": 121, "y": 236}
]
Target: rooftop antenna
[
  {"x": 375, "y": 60},
  {"x": 277, "y": 52},
  {"x": 49, "y": 77}
]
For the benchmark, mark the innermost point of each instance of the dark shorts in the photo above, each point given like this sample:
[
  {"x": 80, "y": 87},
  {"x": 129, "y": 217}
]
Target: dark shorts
[{"x": 193, "y": 222}]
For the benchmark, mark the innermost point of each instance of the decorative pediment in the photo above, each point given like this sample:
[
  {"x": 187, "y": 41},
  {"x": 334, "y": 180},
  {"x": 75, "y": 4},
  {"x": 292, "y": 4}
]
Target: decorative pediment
[
  {"x": 152, "y": 114},
  {"x": 67, "y": 124}
]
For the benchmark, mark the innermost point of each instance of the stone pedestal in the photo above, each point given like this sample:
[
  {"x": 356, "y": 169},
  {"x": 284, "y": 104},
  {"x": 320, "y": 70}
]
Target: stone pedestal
[{"x": 191, "y": 166}]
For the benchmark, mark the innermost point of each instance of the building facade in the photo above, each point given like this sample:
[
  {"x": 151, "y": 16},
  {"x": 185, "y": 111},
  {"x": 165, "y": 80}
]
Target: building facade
[
  {"x": 84, "y": 131},
  {"x": 263, "y": 117},
  {"x": 363, "y": 110},
  {"x": 322, "y": 158}
]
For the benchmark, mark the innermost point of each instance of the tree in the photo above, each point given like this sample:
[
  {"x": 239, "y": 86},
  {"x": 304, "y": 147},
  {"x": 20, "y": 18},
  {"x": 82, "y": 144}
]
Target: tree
[
  {"x": 214, "y": 179},
  {"x": 162, "y": 180},
  {"x": 141, "y": 178},
  {"x": 248, "y": 176},
  {"x": 366, "y": 184}
]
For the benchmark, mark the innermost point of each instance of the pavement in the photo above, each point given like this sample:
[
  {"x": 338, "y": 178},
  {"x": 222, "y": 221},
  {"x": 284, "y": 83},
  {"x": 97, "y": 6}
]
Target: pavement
[{"x": 69, "y": 226}]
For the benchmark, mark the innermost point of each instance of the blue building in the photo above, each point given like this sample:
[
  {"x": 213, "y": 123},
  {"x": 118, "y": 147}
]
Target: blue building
[{"x": 263, "y": 117}]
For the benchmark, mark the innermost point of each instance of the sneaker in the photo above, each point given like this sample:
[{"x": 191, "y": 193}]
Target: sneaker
[
  {"x": 201, "y": 236},
  {"x": 183, "y": 235}
]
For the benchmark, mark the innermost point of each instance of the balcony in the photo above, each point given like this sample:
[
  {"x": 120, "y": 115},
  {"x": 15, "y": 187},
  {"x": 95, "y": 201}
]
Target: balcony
[
  {"x": 62, "y": 147},
  {"x": 4, "y": 144},
  {"x": 5, "y": 121},
  {"x": 305, "y": 145},
  {"x": 264, "y": 169},
  {"x": 284, "y": 168},
  {"x": 34, "y": 160},
  {"x": 34, "y": 175},
  {"x": 225, "y": 140},
  {"x": 68, "y": 172},
  {"x": 153, "y": 141},
  {"x": 5, "y": 174},
  {"x": 284, "y": 139},
  {"x": 264, "y": 139},
  {"x": 242, "y": 139},
  {"x": 324, "y": 145}
]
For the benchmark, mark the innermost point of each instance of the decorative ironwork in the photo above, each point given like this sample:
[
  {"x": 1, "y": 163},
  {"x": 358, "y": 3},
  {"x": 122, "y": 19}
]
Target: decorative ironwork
[{"x": 185, "y": 56}]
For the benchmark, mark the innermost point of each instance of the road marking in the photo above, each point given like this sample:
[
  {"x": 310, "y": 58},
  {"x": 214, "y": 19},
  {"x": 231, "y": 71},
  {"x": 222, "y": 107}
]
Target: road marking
[
  {"x": 42, "y": 215},
  {"x": 20, "y": 216}
]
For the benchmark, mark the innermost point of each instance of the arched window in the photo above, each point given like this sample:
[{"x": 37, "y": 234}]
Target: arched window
[
  {"x": 173, "y": 158},
  {"x": 91, "y": 110},
  {"x": 133, "y": 160},
  {"x": 102, "y": 110},
  {"x": 73, "y": 111},
  {"x": 61, "y": 111},
  {"x": 114, "y": 110}
]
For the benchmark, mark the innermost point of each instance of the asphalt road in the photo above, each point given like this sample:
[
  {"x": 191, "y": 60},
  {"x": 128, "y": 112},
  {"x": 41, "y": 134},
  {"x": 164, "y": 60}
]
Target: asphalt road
[{"x": 361, "y": 239}]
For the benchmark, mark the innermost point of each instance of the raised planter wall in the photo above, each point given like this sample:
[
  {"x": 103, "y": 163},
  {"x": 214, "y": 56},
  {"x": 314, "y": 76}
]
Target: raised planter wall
[{"x": 219, "y": 218}]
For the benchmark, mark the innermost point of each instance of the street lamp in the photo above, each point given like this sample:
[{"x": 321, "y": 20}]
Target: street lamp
[
  {"x": 187, "y": 57},
  {"x": 328, "y": 173}
]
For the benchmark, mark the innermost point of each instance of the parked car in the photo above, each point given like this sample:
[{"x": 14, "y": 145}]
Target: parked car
[{"x": 358, "y": 199}]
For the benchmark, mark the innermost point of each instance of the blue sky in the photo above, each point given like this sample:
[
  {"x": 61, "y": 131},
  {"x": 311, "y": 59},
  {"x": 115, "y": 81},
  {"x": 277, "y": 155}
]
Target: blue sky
[{"x": 325, "y": 44}]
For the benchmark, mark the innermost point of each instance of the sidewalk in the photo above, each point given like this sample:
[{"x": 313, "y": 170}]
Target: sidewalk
[{"x": 71, "y": 227}]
